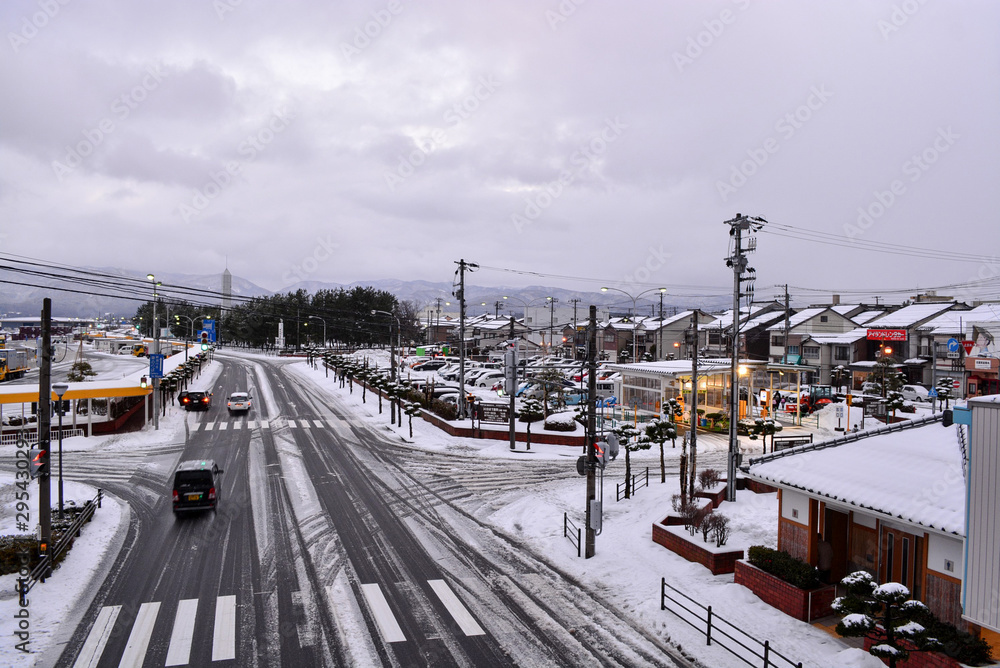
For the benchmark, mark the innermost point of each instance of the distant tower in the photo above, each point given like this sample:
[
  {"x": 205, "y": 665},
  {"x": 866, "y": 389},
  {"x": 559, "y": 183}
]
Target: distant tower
[{"x": 227, "y": 290}]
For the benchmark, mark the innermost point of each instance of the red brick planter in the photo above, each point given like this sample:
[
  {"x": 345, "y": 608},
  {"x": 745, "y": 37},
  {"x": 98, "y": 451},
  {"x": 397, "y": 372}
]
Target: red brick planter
[
  {"x": 716, "y": 496},
  {"x": 693, "y": 549},
  {"x": 921, "y": 659},
  {"x": 802, "y": 604}
]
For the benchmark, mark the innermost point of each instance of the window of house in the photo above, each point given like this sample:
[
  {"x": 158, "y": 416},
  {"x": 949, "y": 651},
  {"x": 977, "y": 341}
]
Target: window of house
[
  {"x": 842, "y": 353},
  {"x": 812, "y": 352},
  {"x": 777, "y": 341},
  {"x": 714, "y": 338},
  {"x": 824, "y": 318},
  {"x": 793, "y": 350}
]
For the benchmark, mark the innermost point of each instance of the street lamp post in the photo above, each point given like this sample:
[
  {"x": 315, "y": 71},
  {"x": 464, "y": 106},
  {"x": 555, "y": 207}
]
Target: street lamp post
[
  {"x": 60, "y": 390},
  {"x": 316, "y": 317},
  {"x": 635, "y": 345},
  {"x": 156, "y": 351},
  {"x": 392, "y": 351},
  {"x": 552, "y": 311}
]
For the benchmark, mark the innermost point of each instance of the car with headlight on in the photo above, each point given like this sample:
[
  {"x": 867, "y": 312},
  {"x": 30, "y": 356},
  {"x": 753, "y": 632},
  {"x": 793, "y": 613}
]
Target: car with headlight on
[
  {"x": 196, "y": 401},
  {"x": 239, "y": 402}
]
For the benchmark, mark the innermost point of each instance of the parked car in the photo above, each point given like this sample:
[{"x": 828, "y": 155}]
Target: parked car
[
  {"x": 429, "y": 365},
  {"x": 489, "y": 379},
  {"x": 915, "y": 393},
  {"x": 196, "y": 485},
  {"x": 239, "y": 402}
]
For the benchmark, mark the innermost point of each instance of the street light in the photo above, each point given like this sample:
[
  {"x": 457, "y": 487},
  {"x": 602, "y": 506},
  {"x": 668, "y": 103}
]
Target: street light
[
  {"x": 60, "y": 390},
  {"x": 156, "y": 351},
  {"x": 392, "y": 351},
  {"x": 552, "y": 310},
  {"x": 886, "y": 352},
  {"x": 635, "y": 348},
  {"x": 316, "y": 317}
]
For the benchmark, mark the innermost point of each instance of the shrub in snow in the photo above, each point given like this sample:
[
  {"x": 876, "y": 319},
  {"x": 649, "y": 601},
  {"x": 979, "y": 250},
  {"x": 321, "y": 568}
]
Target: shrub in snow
[
  {"x": 709, "y": 478},
  {"x": 565, "y": 421},
  {"x": 719, "y": 528},
  {"x": 885, "y": 614},
  {"x": 706, "y": 525},
  {"x": 783, "y": 565}
]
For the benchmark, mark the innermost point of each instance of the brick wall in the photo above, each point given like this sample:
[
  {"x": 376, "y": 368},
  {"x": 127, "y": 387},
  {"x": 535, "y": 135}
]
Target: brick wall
[
  {"x": 944, "y": 597},
  {"x": 793, "y": 538},
  {"x": 689, "y": 548},
  {"x": 715, "y": 497},
  {"x": 790, "y": 600},
  {"x": 497, "y": 435},
  {"x": 921, "y": 659},
  {"x": 759, "y": 487}
]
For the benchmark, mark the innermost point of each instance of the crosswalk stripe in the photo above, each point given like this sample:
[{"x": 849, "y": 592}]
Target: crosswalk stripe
[
  {"x": 384, "y": 619},
  {"x": 179, "y": 650},
  {"x": 224, "y": 637},
  {"x": 209, "y": 426},
  {"x": 459, "y": 612},
  {"x": 138, "y": 640},
  {"x": 319, "y": 424},
  {"x": 263, "y": 424},
  {"x": 251, "y": 424},
  {"x": 237, "y": 425},
  {"x": 223, "y": 426},
  {"x": 98, "y": 638}
]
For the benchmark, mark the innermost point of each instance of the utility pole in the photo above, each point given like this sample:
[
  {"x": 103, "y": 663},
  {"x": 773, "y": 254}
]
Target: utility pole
[
  {"x": 659, "y": 331},
  {"x": 460, "y": 294},
  {"x": 512, "y": 387},
  {"x": 552, "y": 312},
  {"x": 738, "y": 261},
  {"x": 496, "y": 309},
  {"x": 575, "y": 300},
  {"x": 45, "y": 431},
  {"x": 591, "y": 437},
  {"x": 788, "y": 315},
  {"x": 693, "y": 460}
]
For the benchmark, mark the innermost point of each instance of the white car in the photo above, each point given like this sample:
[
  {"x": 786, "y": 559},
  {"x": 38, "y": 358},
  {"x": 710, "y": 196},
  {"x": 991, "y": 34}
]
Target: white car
[
  {"x": 489, "y": 379},
  {"x": 915, "y": 393},
  {"x": 239, "y": 402}
]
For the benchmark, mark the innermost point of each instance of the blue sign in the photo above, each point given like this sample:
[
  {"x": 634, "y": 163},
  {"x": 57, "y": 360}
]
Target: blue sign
[
  {"x": 209, "y": 326},
  {"x": 156, "y": 365},
  {"x": 953, "y": 345},
  {"x": 932, "y": 393}
]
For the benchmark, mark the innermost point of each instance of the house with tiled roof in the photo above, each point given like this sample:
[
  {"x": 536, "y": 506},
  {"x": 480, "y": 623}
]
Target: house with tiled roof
[{"x": 893, "y": 504}]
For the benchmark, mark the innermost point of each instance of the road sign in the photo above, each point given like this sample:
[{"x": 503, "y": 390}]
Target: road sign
[
  {"x": 209, "y": 326},
  {"x": 840, "y": 411},
  {"x": 156, "y": 365},
  {"x": 968, "y": 346},
  {"x": 954, "y": 354},
  {"x": 953, "y": 345},
  {"x": 932, "y": 393}
]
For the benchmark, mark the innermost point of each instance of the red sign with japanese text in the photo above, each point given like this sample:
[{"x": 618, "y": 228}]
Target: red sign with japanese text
[{"x": 886, "y": 334}]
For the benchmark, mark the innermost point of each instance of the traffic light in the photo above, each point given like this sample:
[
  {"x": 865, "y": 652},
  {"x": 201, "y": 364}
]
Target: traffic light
[
  {"x": 38, "y": 462},
  {"x": 143, "y": 383},
  {"x": 510, "y": 372},
  {"x": 204, "y": 340}
]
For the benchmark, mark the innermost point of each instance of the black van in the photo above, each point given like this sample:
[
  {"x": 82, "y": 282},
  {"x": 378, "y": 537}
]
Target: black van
[{"x": 196, "y": 485}]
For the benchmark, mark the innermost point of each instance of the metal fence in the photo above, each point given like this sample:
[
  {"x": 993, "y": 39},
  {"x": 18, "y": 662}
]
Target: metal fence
[
  {"x": 636, "y": 481},
  {"x": 44, "y": 567},
  {"x": 32, "y": 436},
  {"x": 573, "y": 532},
  {"x": 727, "y": 636}
]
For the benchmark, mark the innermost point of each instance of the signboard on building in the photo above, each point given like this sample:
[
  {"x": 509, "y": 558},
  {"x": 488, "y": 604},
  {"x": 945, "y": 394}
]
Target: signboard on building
[
  {"x": 986, "y": 363},
  {"x": 887, "y": 335},
  {"x": 494, "y": 413}
]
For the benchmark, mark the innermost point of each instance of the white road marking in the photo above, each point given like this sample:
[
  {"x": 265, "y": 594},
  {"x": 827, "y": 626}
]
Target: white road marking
[
  {"x": 384, "y": 619},
  {"x": 179, "y": 650},
  {"x": 224, "y": 638},
  {"x": 209, "y": 426},
  {"x": 138, "y": 640},
  {"x": 291, "y": 423},
  {"x": 459, "y": 612},
  {"x": 251, "y": 424},
  {"x": 319, "y": 424},
  {"x": 223, "y": 425},
  {"x": 263, "y": 424},
  {"x": 237, "y": 425},
  {"x": 98, "y": 638}
]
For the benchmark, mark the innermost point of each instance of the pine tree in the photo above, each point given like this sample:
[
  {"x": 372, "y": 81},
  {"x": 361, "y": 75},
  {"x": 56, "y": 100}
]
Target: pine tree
[
  {"x": 660, "y": 431},
  {"x": 884, "y": 613},
  {"x": 626, "y": 433},
  {"x": 531, "y": 411}
]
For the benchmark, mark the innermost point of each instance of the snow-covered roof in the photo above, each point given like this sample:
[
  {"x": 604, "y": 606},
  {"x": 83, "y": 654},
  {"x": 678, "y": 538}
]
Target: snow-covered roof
[
  {"x": 913, "y": 475},
  {"x": 798, "y": 318},
  {"x": 843, "y": 338},
  {"x": 955, "y": 322},
  {"x": 908, "y": 316},
  {"x": 844, "y": 309},
  {"x": 725, "y": 319},
  {"x": 866, "y": 316}
]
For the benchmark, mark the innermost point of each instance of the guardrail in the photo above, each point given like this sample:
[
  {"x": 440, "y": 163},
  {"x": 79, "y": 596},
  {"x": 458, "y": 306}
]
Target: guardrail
[
  {"x": 759, "y": 653},
  {"x": 569, "y": 528},
  {"x": 44, "y": 567},
  {"x": 634, "y": 482}
]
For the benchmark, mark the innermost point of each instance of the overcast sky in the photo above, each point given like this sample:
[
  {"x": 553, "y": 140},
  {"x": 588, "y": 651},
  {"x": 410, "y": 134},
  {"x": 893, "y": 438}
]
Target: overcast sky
[{"x": 591, "y": 142}]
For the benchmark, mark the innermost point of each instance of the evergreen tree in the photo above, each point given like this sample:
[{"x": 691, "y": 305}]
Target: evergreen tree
[
  {"x": 661, "y": 431},
  {"x": 531, "y": 411},
  {"x": 884, "y": 613},
  {"x": 626, "y": 435}
]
